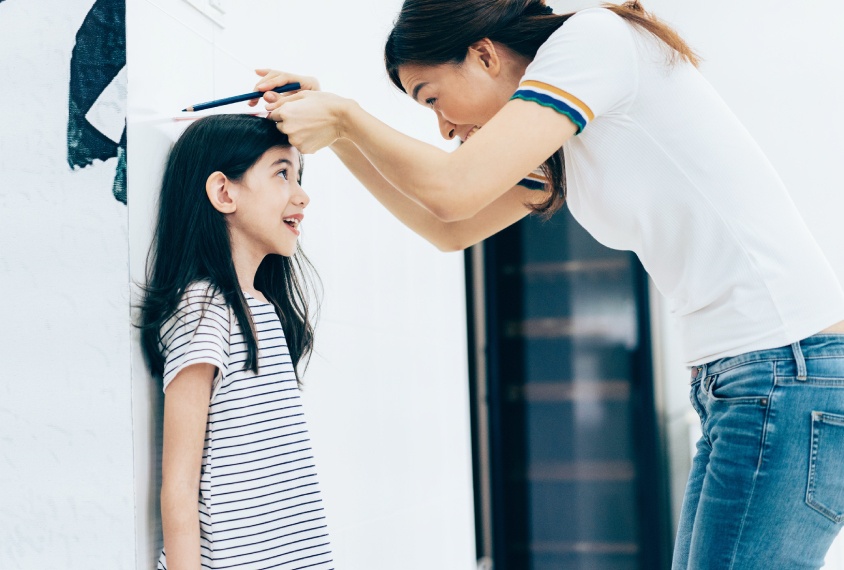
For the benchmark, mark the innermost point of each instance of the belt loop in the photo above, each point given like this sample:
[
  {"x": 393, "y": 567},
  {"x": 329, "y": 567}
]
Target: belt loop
[{"x": 801, "y": 362}]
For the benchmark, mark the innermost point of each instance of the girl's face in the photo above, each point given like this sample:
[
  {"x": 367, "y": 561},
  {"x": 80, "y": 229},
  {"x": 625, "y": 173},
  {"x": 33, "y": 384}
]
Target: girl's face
[
  {"x": 269, "y": 204},
  {"x": 466, "y": 95}
]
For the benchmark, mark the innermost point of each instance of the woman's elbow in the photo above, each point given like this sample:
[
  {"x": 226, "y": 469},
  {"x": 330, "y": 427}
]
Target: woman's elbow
[
  {"x": 453, "y": 239},
  {"x": 450, "y": 246},
  {"x": 451, "y": 211}
]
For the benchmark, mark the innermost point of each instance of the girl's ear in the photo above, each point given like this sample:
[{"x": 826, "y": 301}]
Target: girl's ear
[{"x": 221, "y": 193}]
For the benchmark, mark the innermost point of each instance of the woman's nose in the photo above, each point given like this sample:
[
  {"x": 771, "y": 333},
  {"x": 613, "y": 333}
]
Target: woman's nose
[{"x": 446, "y": 128}]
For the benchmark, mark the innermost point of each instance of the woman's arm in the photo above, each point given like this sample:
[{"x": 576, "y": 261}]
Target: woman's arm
[
  {"x": 446, "y": 236},
  {"x": 453, "y": 186},
  {"x": 185, "y": 417}
]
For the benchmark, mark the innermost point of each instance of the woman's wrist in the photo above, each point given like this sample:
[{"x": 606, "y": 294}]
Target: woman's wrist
[{"x": 346, "y": 118}]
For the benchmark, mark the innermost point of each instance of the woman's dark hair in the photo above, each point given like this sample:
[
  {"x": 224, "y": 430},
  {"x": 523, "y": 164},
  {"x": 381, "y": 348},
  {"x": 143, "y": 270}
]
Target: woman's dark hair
[
  {"x": 192, "y": 242},
  {"x": 434, "y": 32}
]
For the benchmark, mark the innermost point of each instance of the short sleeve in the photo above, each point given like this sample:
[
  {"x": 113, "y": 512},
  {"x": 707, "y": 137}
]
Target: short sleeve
[
  {"x": 587, "y": 68},
  {"x": 535, "y": 180},
  {"x": 197, "y": 333}
]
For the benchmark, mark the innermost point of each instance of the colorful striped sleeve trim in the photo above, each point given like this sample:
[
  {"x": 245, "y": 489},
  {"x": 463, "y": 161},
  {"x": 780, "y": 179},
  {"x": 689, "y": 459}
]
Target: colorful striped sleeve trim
[
  {"x": 534, "y": 181},
  {"x": 562, "y": 102}
]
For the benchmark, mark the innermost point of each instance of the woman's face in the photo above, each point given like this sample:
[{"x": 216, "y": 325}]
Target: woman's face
[
  {"x": 464, "y": 96},
  {"x": 270, "y": 203}
]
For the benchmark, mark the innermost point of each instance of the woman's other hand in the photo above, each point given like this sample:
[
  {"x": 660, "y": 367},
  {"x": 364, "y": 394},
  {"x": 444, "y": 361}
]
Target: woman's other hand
[
  {"x": 311, "y": 119},
  {"x": 270, "y": 79}
]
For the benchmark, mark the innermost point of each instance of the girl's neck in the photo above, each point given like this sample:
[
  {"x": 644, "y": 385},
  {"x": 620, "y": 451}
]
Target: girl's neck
[{"x": 246, "y": 262}]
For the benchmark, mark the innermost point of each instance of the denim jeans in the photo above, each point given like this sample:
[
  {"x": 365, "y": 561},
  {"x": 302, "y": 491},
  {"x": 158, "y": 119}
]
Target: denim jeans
[{"x": 766, "y": 489}]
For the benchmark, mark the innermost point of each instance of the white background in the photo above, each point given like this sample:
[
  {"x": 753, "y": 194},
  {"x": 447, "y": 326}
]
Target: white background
[{"x": 387, "y": 392}]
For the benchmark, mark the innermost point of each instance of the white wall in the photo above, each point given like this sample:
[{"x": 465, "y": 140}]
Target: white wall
[
  {"x": 66, "y": 496},
  {"x": 778, "y": 67},
  {"x": 387, "y": 393}
]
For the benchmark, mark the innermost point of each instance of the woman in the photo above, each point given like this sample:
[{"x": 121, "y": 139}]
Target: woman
[{"x": 650, "y": 159}]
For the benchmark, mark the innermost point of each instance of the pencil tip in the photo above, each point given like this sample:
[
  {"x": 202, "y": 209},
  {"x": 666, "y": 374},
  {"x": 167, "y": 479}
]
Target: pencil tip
[{"x": 189, "y": 110}]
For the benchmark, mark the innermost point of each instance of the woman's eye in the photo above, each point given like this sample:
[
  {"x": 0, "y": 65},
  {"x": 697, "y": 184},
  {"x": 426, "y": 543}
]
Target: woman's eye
[
  {"x": 283, "y": 173},
  {"x": 431, "y": 101}
]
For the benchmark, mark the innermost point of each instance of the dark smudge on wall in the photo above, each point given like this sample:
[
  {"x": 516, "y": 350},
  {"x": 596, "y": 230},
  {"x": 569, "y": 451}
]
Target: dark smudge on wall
[{"x": 98, "y": 57}]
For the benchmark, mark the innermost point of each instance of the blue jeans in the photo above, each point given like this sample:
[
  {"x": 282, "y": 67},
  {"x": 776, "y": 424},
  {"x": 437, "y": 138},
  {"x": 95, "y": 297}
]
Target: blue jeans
[{"x": 766, "y": 490}]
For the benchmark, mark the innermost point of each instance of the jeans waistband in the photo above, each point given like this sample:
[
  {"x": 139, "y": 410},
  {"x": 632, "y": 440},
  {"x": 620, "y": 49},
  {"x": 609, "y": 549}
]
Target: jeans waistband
[{"x": 815, "y": 346}]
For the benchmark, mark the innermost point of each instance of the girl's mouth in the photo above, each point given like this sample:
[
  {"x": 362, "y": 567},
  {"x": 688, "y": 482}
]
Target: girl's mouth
[{"x": 293, "y": 223}]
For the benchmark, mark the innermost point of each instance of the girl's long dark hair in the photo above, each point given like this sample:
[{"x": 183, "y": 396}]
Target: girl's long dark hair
[
  {"x": 192, "y": 244},
  {"x": 433, "y": 32}
]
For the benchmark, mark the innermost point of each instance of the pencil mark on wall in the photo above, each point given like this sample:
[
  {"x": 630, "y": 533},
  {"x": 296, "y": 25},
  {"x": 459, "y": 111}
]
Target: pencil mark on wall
[{"x": 96, "y": 126}]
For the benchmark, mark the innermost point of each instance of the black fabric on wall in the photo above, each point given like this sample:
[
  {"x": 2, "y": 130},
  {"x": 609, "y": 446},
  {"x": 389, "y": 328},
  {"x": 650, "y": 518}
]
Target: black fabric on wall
[{"x": 98, "y": 56}]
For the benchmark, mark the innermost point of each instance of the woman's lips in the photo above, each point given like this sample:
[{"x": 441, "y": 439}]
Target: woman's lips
[{"x": 471, "y": 132}]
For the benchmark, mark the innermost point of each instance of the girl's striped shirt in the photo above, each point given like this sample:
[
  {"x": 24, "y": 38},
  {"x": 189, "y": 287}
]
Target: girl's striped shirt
[{"x": 259, "y": 503}]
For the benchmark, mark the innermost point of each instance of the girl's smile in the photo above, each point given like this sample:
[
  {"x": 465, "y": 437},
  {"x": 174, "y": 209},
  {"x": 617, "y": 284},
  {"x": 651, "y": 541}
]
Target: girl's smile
[{"x": 293, "y": 222}]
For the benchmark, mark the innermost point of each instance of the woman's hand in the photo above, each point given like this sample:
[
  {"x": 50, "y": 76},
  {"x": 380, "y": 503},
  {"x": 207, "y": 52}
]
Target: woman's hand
[
  {"x": 311, "y": 119},
  {"x": 270, "y": 79}
]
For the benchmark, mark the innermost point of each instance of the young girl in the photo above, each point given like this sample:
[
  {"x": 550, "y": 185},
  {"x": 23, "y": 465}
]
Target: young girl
[{"x": 225, "y": 321}]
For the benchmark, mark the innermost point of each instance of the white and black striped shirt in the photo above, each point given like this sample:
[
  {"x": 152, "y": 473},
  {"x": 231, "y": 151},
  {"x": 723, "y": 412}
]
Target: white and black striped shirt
[{"x": 259, "y": 504}]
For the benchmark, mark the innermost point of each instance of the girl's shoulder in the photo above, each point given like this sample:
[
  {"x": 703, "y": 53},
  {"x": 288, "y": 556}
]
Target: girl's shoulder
[
  {"x": 203, "y": 292},
  {"x": 201, "y": 304},
  {"x": 198, "y": 331}
]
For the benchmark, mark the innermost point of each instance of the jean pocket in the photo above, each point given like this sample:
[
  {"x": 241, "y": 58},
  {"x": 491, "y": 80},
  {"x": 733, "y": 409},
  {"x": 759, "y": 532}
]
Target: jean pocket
[
  {"x": 747, "y": 384},
  {"x": 825, "y": 491}
]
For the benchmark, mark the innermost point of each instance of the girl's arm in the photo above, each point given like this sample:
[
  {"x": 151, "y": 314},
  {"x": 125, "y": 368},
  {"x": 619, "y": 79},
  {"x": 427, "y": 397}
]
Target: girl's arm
[
  {"x": 453, "y": 186},
  {"x": 185, "y": 418},
  {"x": 446, "y": 236}
]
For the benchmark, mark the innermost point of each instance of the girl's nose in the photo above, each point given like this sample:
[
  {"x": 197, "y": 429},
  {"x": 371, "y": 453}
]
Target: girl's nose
[{"x": 303, "y": 199}]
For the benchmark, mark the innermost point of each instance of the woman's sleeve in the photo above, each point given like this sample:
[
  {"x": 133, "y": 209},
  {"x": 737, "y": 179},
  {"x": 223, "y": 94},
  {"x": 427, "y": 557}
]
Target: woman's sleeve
[
  {"x": 197, "y": 333},
  {"x": 587, "y": 68}
]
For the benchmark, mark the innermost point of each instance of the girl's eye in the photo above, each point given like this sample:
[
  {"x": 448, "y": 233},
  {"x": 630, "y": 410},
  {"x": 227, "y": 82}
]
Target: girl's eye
[
  {"x": 283, "y": 173},
  {"x": 431, "y": 101}
]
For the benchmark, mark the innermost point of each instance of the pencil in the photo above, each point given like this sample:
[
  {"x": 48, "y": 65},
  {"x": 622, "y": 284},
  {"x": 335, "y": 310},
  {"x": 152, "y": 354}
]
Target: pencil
[{"x": 239, "y": 98}]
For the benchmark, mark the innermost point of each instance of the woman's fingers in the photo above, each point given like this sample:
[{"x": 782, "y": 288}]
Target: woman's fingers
[
  {"x": 263, "y": 73},
  {"x": 270, "y": 79},
  {"x": 276, "y": 100},
  {"x": 274, "y": 79},
  {"x": 276, "y": 112},
  {"x": 281, "y": 100},
  {"x": 309, "y": 119},
  {"x": 268, "y": 76}
]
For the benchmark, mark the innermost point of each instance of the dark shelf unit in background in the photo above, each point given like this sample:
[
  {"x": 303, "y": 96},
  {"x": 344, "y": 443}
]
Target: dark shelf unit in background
[{"x": 569, "y": 469}]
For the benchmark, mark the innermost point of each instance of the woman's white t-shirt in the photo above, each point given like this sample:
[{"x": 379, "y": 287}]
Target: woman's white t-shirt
[
  {"x": 661, "y": 167},
  {"x": 259, "y": 501}
]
